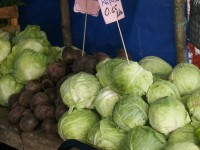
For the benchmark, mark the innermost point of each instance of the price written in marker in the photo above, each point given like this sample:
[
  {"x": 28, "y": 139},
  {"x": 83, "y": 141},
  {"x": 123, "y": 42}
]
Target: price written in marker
[{"x": 112, "y": 10}]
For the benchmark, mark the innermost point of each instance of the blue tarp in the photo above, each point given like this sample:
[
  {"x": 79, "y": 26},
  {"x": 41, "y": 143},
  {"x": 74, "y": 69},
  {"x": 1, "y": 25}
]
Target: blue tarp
[{"x": 148, "y": 28}]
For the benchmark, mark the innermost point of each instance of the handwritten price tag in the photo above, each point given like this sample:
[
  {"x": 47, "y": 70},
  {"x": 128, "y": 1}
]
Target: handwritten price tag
[
  {"x": 112, "y": 10},
  {"x": 92, "y": 7}
]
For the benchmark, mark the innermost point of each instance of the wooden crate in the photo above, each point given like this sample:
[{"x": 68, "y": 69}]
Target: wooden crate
[{"x": 11, "y": 14}]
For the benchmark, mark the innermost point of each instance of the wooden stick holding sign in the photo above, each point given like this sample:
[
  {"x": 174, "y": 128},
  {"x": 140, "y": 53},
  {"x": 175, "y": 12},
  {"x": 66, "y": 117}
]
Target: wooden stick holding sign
[
  {"x": 112, "y": 11},
  {"x": 86, "y": 7}
]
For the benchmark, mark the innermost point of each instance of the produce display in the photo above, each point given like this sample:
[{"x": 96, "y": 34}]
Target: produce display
[{"x": 111, "y": 103}]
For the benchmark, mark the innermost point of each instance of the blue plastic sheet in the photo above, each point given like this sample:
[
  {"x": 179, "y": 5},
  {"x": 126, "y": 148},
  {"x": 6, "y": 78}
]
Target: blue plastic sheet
[{"x": 148, "y": 28}]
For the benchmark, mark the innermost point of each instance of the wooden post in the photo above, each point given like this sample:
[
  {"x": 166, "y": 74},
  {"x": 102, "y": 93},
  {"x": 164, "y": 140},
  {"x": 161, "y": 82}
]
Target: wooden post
[
  {"x": 180, "y": 30},
  {"x": 65, "y": 22}
]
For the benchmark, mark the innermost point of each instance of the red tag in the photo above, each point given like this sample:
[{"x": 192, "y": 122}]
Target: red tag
[
  {"x": 92, "y": 7},
  {"x": 112, "y": 10}
]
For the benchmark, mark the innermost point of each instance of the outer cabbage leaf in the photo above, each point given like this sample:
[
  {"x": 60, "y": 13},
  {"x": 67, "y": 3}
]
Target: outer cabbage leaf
[
  {"x": 130, "y": 111},
  {"x": 143, "y": 138},
  {"x": 168, "y": 114},
  {"x": 76, "y": 124},
  {"x": 186, "y": 77},
  {"x": 106, "y": 135}
]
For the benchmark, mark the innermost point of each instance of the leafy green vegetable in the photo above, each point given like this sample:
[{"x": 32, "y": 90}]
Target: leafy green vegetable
[
  {"x": 105, "y": 102},
  {"x": 80, "y": 90},
  {"x": 186, "y": 77},
  {"x": 76, "y": 124},
  {"x": 183, "y": 134},
  {"x": 129, "y": 112},
  {"x": 167, "y": 114},
  {"x": 130, "y": 79},
  {"x": 5, "y": 49},
  {"x": 143, "y": 138},
  {"x": 104, "y": 70},
  {"x": 162, "y": 88},
  {"x": 106, "y": 135},
  {"x": 8, "y": 86},
  {"x": 30, "y": 65},
  {"x": 182, "y": 146},
  {"x": 157, "y": 66}
]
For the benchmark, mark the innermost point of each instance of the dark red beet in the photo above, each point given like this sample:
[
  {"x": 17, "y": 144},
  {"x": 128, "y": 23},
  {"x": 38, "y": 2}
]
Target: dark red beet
[
  {"x": 15, "y": 114},
  {"x": 52, "y": 94},
  {"x": 39, "y": 98},
  {"x": 47, "y": 83},
  {"x": 28, "y": 122},
  {"x": 12, "y": 100},
  {"x": 69, "y": 54},
  {"x": 45, "y": 111},
  {"x": 47, "y": 126},
  {"x": 33, "y": 85},
  {"x": 26, "y": 98}
]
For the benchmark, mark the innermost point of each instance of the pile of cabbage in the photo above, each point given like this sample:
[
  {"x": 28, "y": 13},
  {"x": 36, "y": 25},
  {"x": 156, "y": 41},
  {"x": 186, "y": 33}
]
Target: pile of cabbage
[
  {"x": 24, "y": 56},
  {"x": 145, "y": 105}
]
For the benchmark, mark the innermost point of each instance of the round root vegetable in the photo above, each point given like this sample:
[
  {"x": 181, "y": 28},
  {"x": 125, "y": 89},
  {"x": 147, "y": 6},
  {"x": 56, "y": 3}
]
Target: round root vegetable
[
  {"x": 39, "y": 98},
  {"x": 12, "y": 100},
  {"x": 47, "y": 126},
  {"x": 56, "y": 70},
  {"x": 15, "y": 114},
  {"x": 69, "y": 54},
  {"x": 25, "y": 98},
  {"x": 52, "y": 94},
  {"x": 59, "y": 101},
  {"x": 90, "y": 65},
  {"x": 28, "y": 122},
  {"x": 121, "y": 53},
  {"x": 33, "y": 85},
  {"x": 79, "y": 64},
  {"x": 60, "y": 110},
  {"x": 47, "y": 83},
  {"x": 44, "y": 111},
  {"x": 100, "y": 56}
]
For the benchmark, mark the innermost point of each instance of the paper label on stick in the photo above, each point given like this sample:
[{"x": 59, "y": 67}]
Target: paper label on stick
[
  {"x": 92, "y": 7},
  {"x": 112, "y": 10}
]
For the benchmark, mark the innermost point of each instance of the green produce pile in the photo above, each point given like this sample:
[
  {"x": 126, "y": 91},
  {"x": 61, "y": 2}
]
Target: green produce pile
[
  {"x": 145, "y": 105},
  {"x": 107, "y": 102}
]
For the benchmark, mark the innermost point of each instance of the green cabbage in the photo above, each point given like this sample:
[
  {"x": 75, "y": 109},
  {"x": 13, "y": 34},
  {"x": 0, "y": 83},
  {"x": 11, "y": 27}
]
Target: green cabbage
[
  {"x": 183, "y": 134},
  {"x": 105, "y": 102},
  {"x": 186, "y": 77},
  {"x": 182, "y": 146},
  {"x": 143, "y": 138},
  {"x": 167, "y": 114},
  {"x": 30, "y": 65},
  {"x": 106, "y": 135},
  {"x": 80, "y": 90},
  {"x": 130, "y": 79},
  {"x": 162, "y": 88},
  {"x": 5, "y": 49},
  {"x": 8, "y": 86},
  {"x": 157, "y": 66},
  {"x": 76, "y": 124},
  {"x": 130, "y": 111},
  {"x": 104, "y": 70},
  {"x": 193, "y": 104}
]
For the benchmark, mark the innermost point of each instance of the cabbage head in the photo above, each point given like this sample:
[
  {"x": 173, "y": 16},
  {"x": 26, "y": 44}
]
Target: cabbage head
[
  {"x": 186, "y": 77},
  {"x": 182, "y": 146},
  {"x": 162, "y": 88},
  {"x": 157, "y": 66},
  {"x": 80, "y": 90},
  {"x": 130, "y": 79},
  {"x": 167, "y": 114},
  {"x": 33, "y": 32},
  {"x": 193, "y": 104},
  {"x": 5, "y": 49},
  {"x": 76, "y": 124},
  {"x": 30, "y": 65},
  {"x": 143, "y": 138},
  {"x": 8, "y": 86},
  {"x": 105, "y": 102},
  {"x": 106, "y": 135},
  {"x": 183, "y": 134},
  {"x": 104, "y": 70},
  {"x": 130, "y": 111}
]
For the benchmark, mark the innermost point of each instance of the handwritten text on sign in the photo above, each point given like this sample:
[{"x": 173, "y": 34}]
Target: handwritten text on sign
[
  {"x": 112, "y": 10},
  {"x": 92, "y": 7}
]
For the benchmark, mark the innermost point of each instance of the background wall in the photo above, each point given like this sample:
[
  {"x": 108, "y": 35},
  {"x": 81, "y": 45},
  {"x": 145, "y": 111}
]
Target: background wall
[{"x": 148, "y": 27}]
